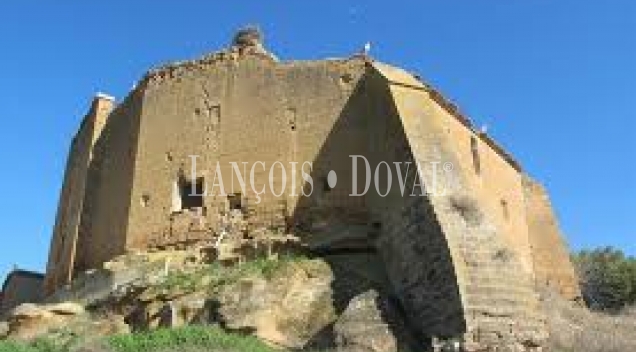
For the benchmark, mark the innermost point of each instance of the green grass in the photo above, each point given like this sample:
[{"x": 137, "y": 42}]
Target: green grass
[
  {"x": 209, "y": 278},
  {"x": 38, "y": 345},
  {"x": 191, "y": 337},
  {"x": 216, "y": 275}
]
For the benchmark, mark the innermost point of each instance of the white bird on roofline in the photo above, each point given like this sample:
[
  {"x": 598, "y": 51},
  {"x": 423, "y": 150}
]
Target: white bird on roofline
[{"x": 367, "y": 48}]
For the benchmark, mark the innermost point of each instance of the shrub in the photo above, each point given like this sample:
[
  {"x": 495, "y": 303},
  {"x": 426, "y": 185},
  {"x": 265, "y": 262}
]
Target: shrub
[{"x": 608, "y": 278}]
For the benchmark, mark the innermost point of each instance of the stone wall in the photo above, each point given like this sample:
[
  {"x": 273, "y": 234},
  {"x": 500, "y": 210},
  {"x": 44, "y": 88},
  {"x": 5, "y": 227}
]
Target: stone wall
[
  {"x": 104, "y": 218},
  {"x": 20, "y": 287},
  {"x": 62, "y": 249},
  {"x": 500, "y": 310},
  {"x": 552, "y": 264},
  {"x": 447, "y": 247},
  {"x": 222, "y": 111},
  {"x": 398, "y": 231}
]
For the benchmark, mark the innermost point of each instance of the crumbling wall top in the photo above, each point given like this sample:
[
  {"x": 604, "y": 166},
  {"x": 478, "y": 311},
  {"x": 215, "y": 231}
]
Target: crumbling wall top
[{"x": 247, "y": 42}]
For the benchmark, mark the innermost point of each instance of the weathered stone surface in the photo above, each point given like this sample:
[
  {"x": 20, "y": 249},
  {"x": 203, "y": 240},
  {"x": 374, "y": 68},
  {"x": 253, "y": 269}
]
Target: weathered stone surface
[
  {"x": 65, "y": 308},
  {"x": 371, "y": 324},
  {"x": 30, "y": 321},
  {"x": 447, "y": 247},
  {"x": 30, "y": 311},
  {"x": 553, "y": 268},
  {"x": 287, "y": 311}
]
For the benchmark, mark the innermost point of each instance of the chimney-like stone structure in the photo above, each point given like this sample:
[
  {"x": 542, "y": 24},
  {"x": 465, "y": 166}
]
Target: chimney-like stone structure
[{"x": 60, "y": 267}]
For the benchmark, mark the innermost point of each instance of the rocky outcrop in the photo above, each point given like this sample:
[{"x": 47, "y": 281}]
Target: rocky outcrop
[
  {"x": 291, "y": 303},
  {"x": 340, "y": 302},
  {"x": 371, "y": 323},
  {"x": 29, "y": 321},
  {"x": 287, "y": 310},
  {"x": 296, "y": 305}
]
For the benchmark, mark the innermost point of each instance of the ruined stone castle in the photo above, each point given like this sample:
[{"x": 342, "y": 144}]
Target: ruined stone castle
[{"x": 465, "y": 261}]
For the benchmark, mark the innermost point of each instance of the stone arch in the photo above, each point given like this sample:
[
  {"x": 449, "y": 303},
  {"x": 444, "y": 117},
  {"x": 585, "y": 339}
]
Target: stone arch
[
  {"x": 400, "y": 232},
  {"x": 499, "y": 310}
]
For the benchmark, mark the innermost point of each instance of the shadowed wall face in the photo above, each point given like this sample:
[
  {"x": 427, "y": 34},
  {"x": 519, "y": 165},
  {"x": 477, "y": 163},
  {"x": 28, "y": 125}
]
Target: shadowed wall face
[
  {"x": 412, "y": 244},
  {"x": 399, "y": 228},
  {"x": 20, "y": 287}
]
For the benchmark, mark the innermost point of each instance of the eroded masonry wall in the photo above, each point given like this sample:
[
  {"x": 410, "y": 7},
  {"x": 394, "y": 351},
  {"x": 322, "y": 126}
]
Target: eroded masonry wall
[
  {"x": 410, "y": 239},
  {"x": 500, "y": 309},
  {"x": 254, "y": 110},
  {"x": 107, "y": 198},
  {"x": 397, "y": 229},
  {"x": 248, "y": 111},
  {"x": 490, "y": 179},
  {"x": 63, "y": 242},
  {"x": 552, "y": 264}
]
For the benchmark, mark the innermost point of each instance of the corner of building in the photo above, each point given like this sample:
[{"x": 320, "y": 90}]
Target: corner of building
[
  {"x": 551, "y": 258},
  {"x": 62, "y": 253}
]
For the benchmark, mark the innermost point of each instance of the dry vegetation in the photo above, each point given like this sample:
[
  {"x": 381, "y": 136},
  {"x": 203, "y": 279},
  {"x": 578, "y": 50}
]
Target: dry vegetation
[{"x": 576, "y": 329}]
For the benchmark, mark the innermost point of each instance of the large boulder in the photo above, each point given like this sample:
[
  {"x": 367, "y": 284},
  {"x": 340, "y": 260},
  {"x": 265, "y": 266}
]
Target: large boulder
[
  {"x": 286, "y": 310},
  {"x": 65, "y": 308},
  {"x": 29, "y": 321},
  {"x": 370, "y": 323}
]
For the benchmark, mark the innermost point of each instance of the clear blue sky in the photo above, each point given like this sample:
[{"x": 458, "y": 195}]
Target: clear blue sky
[{"x": 554, "y": 80}]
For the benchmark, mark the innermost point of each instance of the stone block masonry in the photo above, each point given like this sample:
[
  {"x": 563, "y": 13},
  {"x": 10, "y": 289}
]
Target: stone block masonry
[{"x": 448, "y": 256}]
